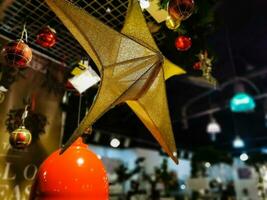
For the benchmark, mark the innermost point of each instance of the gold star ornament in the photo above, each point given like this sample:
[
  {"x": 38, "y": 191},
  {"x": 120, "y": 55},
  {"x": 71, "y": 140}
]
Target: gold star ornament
[{"x": 132, "y": 69}]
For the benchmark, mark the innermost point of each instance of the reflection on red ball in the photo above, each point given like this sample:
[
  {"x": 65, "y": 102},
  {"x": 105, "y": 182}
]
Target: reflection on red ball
[
  {"x": 76, "y": 174},
  {"x": 197, "y": 66},
  {"x": 17, "y": 53},
  {"x": 183, "y": 43},
  {"x": 46, "y": 37}
]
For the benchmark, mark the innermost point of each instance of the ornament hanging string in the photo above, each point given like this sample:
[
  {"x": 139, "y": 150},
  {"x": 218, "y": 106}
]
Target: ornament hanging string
[
  {"x": 24, "y": 115},
  {"x": 229, "y": 49},
  {"x": 80, "y": 103},
  {"x": 24, "y": 33},
  {"x": 33, "y": 102},
  {"x": 79, "y": 110}
]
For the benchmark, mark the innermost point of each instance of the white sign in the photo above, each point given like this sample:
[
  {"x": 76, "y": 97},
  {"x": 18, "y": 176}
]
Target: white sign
[{"x": 85, "y": 80}]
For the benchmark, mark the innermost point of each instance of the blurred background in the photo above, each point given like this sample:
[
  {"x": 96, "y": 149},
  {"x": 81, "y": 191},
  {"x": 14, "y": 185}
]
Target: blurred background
[{"x": 218, "y": 108}]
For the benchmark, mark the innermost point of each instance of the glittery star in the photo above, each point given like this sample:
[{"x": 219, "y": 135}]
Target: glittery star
[{"x": 131, "y": 66}]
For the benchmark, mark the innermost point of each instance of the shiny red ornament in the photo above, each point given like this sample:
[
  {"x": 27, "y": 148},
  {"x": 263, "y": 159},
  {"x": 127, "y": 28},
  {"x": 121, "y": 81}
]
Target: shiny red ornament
[
  {"x": 46, "y": 37},
  {"x": 17, "y": 53},
  {"x": 181, "y": 9},
  {"x": 183, "y": 43},
  {"x": 69, "y": 86},
  {"x": 197, "y": 65},
  {"x": 76, "y": 174},
  {"x": 20, "y": 138}
]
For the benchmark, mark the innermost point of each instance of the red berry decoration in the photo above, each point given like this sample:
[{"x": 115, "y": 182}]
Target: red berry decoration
[
  {"x": 183, "y": 43},
  {"x": 47, "y": 37},
  {"x": 17, "y": 53},
  {"x": 20, "y": 138},
  {"x": 197, "y": 65}
]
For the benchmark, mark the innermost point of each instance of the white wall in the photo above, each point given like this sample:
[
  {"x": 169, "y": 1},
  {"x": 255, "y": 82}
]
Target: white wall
[{"x": 153, "y": 159}]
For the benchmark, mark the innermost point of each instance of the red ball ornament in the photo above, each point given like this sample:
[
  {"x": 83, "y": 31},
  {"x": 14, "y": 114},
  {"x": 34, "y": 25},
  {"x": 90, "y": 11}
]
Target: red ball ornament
[
  {"x": 180, "y": 9},
  {"x": 76, "y": 174},
  {"x": 46, "y": 37},
  {"x": 17, "y": 53},
  {"x": 183, "y": 43},
  {"x": 20, "y": 138},
  {"x": 69, "y": 86},
  {"x": 197, "y": 65}
]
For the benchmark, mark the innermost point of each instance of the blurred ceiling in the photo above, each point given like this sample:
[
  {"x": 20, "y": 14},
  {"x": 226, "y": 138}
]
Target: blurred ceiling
[{"x": 240, "y": 43}]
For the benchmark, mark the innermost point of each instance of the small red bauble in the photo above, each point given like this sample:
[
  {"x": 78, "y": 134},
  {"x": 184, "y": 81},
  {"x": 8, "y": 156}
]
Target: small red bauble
[
  {"x": 197, "y": 66},
  {"x": 17, "y": 53},
  {"x": 76, "y": 174},
  {"x": 20, "y": 138},
  {"x": 183, "y": 43},
  {"x": 46, "y": 37}
]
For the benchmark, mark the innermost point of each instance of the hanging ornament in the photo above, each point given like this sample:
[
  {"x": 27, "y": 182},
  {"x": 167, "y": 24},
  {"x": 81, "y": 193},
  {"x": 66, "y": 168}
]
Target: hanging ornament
[
  {"x": 213, "y": 128},
  {"x": 197, "y": 65},
  {"x": 21, "y": 137},
  {"x": 183, "y": 43},
  {"x": 180, "y": 9},
  {"x": 18, "y": 53},
  {"x": 46, "y": 37},
  {"x": 84, "y": 178},
  {"x": 172, "y": 24},
  {"x": 205, "y": 65}
]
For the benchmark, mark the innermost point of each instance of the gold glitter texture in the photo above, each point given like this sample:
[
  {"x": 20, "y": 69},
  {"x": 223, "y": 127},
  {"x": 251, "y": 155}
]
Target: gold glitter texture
[{"x": 132, "y": 69}]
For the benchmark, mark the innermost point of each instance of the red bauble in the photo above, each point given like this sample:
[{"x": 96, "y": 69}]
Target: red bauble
[
  {"x": 197, "y": 65},
  {"x": 180, "y": 9},
  {"x": 20, "y": 138},
  {"x": 183, "y": 43},
  {"x": 69, "y": 86},
  {"x": 46, "y": 37},
  {"x": 17, "y": 53},
  {"x": 76, "y": 174}
]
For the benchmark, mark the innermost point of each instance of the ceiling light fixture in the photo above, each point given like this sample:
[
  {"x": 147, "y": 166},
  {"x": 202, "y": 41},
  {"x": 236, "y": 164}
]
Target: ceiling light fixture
[
  {"x": 242, "y": 102},
  {"x": 183, "y": 187},
  {"x": 238, "y": 142},
  {"x": 213, "y": 128},
  {"x": 115, "y": 143},
  {"x": 108, "y": 10},
  {"x": 144, "y": 4},
  {"x": 243, "y": 157},
  {"x": 207, "y": 165}
]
